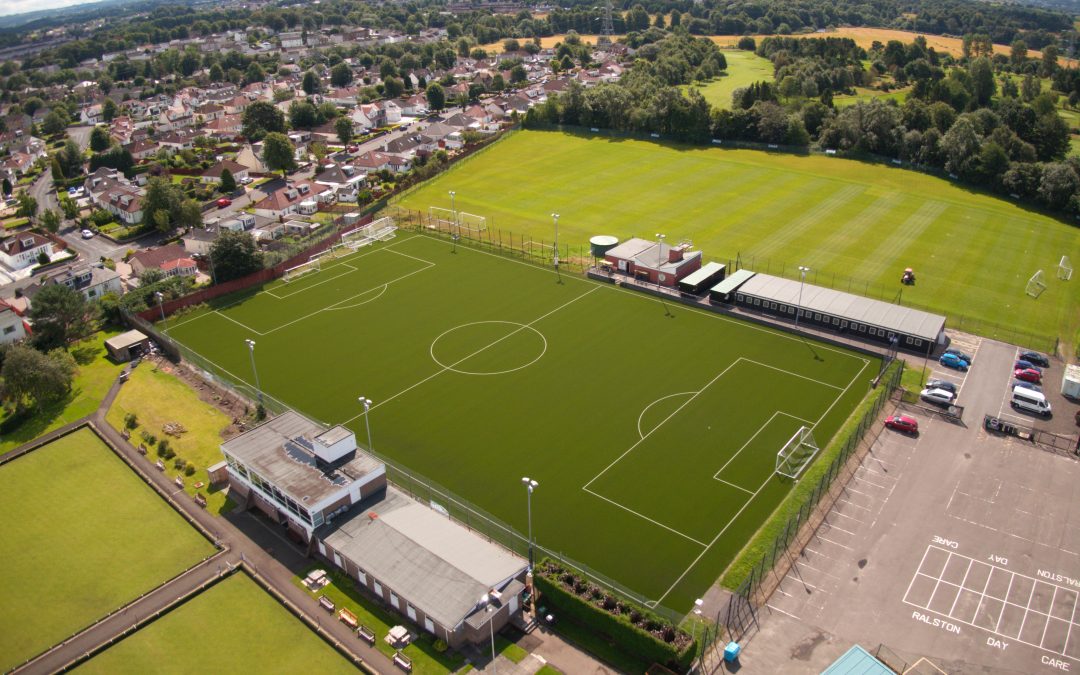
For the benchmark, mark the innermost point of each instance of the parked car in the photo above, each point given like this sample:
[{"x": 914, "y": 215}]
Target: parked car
[
  {"x": 87, "y": 234},
  {"x": 937, "y": 396},
  {"x": 247, "y": 180},
  {"x": 223, "y": 202},
  {"x": 1036, "y": 358},
  {"x": 904, "y": 423},
  {"x": 1027, "y": 385},
  {"x": 951, "y": 360},
  {"x": 957, "y": 352},
  {"x": 1025, "y": 365},
  {"x": 943, "y": 384},
  {"x": 1028, "y": 375}
]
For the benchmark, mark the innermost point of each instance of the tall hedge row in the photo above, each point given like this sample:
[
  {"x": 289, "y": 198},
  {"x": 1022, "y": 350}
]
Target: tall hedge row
[{"x": 618, "y": 619}]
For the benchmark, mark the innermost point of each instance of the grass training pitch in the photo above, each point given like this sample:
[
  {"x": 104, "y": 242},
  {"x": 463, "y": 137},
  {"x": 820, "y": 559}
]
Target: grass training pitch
[
  {"x": 973, "y": 253},
  {"x": 743, "y": 69},
  {"x": 234, "y": 625},
  {"x": 652, "y": 429},
  {"x": 82, "y": 536}
]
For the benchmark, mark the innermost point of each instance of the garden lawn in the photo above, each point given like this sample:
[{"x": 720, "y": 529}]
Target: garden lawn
[
  {"x": 234, "y": 626},
  {"x": 858, "y": 223},
  {"x": 92, "y": 381},
  {"x": 743, "y": 68},
  {"x": 82, "y": 536},
  {"x": 156, "y": 398},
  {"x": 425, "y": 658}
]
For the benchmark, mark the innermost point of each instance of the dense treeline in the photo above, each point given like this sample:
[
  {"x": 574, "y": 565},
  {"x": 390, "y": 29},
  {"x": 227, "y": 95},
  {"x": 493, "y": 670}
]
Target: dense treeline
[{"x": 955, "y": 119}]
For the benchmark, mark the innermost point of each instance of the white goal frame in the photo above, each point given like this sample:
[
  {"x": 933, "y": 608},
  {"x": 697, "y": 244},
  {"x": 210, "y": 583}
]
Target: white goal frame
[
  {"x": 300, "y": 270},
  {"x": 797, "y": 454},
  {"x": 1065, "y": 269},
  {"x": 382, "y": 229},
  {"x": 440, "y": 218},
  {"x": 1036, "y": 284}
]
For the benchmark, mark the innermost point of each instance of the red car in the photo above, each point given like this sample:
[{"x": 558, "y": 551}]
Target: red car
[
  {"x": 1028, "y": 375},
  {"x": 903, "y": 423},
  {"x": 223, "y": 202}
]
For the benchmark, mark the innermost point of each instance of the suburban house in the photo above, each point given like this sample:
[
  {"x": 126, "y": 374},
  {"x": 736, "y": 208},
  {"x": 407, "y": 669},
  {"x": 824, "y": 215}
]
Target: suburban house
[
  {"x": 158, "y": 258},
  {"x": 180, "y": 267},
  {"x": 197, "y": 241},
  {"x": 23, "y": 250},
  {"x": 378, "y": 161},
  {"x": 93, "y": 281},
  {"x": 213, "y": 174},
  {"x": 300, "y": 197},
  {"x": 335, "y": 498},
  {"x": 345, "y": 180},
  {"x": 12, "y": 328}
]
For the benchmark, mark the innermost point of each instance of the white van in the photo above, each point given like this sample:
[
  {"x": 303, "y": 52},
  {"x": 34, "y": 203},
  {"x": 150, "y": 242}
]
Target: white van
[{"x": 1031, "y": 401}]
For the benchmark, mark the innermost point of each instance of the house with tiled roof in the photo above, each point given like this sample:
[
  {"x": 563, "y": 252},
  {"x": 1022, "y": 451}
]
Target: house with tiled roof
[
  {"x": 23, "y": 249},
  {"x": 157, "y": 259},
  {"x": 12, "y": 327},
  {"x": 213, "y": 174},
  {"x": 300, "y": 197},
  {"x": 378, "y": 161}
]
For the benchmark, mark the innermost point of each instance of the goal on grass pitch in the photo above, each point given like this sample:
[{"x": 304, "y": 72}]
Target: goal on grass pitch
[
  {"x": 378, "y": 230},
  {"x": 1036, "y": 284},
  {"x": 450, "y": 221},
  {"x": 1065, "y": 268},
  {"x": 302, "y": 269},
  {"x": 797, "y": 453}
]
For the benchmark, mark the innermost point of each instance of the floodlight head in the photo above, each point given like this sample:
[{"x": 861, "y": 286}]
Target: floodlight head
[
  {"x": 366, "y": 402},
  {"x": 159, "y": 295},
  {"x": 250, "y": 343},
  {"x": 525, "y": 480},
  {"x": 699, "y": 602},
  {"x": 803, "y": 268},
  {"x": 452, "y": 193}
]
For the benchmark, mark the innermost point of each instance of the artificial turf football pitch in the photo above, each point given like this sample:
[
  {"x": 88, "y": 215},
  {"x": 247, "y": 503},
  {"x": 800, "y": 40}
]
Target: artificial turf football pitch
[{"x": 652, "y": 429}]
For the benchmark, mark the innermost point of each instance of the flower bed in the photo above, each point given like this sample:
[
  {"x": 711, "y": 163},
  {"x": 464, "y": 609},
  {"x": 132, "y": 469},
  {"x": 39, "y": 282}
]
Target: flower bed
[{"x": 629, "y": 626}]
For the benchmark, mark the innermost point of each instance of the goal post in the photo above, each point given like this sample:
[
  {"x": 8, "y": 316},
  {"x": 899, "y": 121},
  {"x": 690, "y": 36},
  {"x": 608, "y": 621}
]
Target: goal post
[
  {"x": 1065, "y": 269},
  {"x": 444, "y": 219},
  {"x": 300, "y": 270},
  {"x": 797, "y": 453},
  {"x": 1036, "y": 284},
  {"x": 377, "y": 230}
]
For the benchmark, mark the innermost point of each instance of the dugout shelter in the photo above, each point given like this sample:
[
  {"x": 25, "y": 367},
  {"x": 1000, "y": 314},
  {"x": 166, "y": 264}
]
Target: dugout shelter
[{"x": 705, "y": 278}]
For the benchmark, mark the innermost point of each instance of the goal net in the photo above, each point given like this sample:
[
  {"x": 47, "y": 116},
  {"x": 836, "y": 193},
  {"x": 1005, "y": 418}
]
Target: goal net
[
  {"x": 302, "y": 269},
  {"x": 1065, "y": 268},
  {"x": 377, "y": 230},
  {"x": 797, "y": 453},
  {"x": 1036, "y": 284},
  {"x": 461, "y": 221}
]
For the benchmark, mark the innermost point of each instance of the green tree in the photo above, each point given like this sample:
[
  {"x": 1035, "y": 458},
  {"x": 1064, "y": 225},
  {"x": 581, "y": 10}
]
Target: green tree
[
  {"x": 1059, "y": 183},
  {"x": 32, "y": 378},
  {"x": 436, "y": 96},
  {"x": 70, "y": 159},
  {"x": 982, "y": 80},
  {"x": 162, "y": 199},
  {"x": 50, "y": 220},
  {"x": 254, "y": 73},
  {"x": 228, "y": 183},
  {"x": 303, "y": 115},
  {"x": 5, "y": 187},
  {"x": 216, "y": 73},
  {"x": 59, "y": 314},
  {"x": 261, "y": 118},
  {"x": 310, "y": 83},
  {"x": 341, "y": 75},
  {"x": 278, "y": 153},
  {"x": 109, "y": 110},
  {"x": 344, "y": 129},
  {"x": 189, "y": 215},
  {"x": 393, "y": 87},
  {"x": 1018, "y": 52},
  {"x": 1049, "y": 64},
  {"x": 28, "y": 206},
  {"x": 70, "y": 208},
  {"x": 55, "y": 122},
  {"x": 518, "y": 74},
  {"x": 233, "y": 255},
  {"x": 100, "y": 139}
]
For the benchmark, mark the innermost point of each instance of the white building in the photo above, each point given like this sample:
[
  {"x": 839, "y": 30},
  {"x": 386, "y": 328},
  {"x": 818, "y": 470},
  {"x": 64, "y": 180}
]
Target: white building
[{"x": 12, "y": 328}]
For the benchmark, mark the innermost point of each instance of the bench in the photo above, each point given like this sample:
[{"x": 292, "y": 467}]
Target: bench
[
  {"x": 365, "y": 634},
  {"x": 403, "y": 662},
  {"x": 348, "y": 618},
  {"x": 326, "y": 603}
]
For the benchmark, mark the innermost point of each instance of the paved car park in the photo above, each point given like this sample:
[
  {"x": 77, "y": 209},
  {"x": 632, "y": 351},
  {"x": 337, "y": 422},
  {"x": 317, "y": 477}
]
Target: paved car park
[{"x": 954, "y": 549}]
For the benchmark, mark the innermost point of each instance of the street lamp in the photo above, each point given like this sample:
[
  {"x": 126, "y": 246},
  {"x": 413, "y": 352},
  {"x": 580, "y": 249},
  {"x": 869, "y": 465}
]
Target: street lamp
[
  {"x": 160, "y": 303},
  {"x": 487, "y": 600},
  {"x": 555, "y": 217},
  {"x": 366, "y": 402},
  {"x": 453, "y": 206},
  {"x": 258, "y": 387},
  {"x": 802, "y": 280},
  {"x": 530, "y": 485},
  {"x": 697, "y": 613},
  {"x": 659, "y": 256}
]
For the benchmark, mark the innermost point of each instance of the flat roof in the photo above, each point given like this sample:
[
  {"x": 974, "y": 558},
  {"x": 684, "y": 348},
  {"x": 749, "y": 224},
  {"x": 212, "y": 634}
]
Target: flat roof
[
  {"x": 431, "y": 561},
  {"x": 702, "y": 274},
  {"x": 646, "y": 255},
  {"x": 280, "y": 450},
  {"x": 733, "y": 281},
  {"x": 894, "y": 318},
  {"x": 125, "y": 340},
  {"x": 857, "y": 661}
]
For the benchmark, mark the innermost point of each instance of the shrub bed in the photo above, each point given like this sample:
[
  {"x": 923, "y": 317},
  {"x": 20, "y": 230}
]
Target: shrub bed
[{"x": 630, "y": 627}]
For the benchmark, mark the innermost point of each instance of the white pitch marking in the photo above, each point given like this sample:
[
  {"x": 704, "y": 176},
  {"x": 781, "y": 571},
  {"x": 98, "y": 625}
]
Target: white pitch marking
[{"x": 654, "y": 522}]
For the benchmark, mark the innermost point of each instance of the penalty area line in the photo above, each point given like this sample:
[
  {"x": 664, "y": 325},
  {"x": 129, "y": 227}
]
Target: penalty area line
[{"x": 644, "y": 517}]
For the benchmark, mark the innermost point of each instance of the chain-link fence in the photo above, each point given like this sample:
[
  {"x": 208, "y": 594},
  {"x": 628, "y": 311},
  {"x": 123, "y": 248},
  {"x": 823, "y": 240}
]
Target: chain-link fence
[{"x": 740, "y": 614}]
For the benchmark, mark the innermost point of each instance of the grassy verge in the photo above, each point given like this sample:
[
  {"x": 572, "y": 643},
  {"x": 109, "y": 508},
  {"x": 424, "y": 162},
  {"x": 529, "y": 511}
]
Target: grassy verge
[
  {"x": 157, "y": 398},
  {"x": 509, "y": 649},
  {"x": 425, "y": 657},
  {"x": 598, "y": 646},
  {"x": 912, "y": 381},
  {"x": 92, "y": 381},
  {"x": 752, "y": 553}
]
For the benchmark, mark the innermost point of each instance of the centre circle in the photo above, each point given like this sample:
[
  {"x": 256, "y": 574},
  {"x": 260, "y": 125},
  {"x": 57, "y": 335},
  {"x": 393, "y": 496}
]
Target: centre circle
[{"x": 519, "y": 344}]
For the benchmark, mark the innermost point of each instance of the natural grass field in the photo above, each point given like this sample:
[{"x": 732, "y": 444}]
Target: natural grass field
[
  {"x": 653, "y": 431},
  {"x": 972, "y": 253},
  {"x": 743, "y": 68},
  {"x": 234, "y": 626},
  {"x": 82, "y": 535},
  {"x": 92, "y": 381},
  {"x": 157, "y": 398},
  {"x": 864, "y": 94}
]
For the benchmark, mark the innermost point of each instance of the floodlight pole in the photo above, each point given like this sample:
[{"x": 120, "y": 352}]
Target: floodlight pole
[
  {"x": 555, "y": 258},
  {"x": 659, "y": 257},
  {"x": 160, "y": 303},
  {"x": 530, "y": 485},
  {"x": 701, "y": 652},
  {"x": 251, "y": 350},
  {"x": 486, "y": 600},
  {"x": 366, "y": 402},
  {"x": 803, "y": 269}
]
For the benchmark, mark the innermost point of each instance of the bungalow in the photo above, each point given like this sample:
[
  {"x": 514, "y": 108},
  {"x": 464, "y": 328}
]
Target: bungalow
[
  {"x": 157, "y": 258},
  {"x": 23, "y": 250},
  {"x": 345, "y": 180},
  {"x": 226, "y": 126},
  {"x": 213, "y": 174},
  {"x": 93, "y": 281},
  {"x": 181, "y": 267},
  {"x": 12, "y": 328},
  {"x": 300, "y": 197},
  {"x": 414, "y": 106},
  {"x": 141, "y": 149},
  {"x": 197, "y": 241},
  {"x": 91, "y": 115},
  {"x": 378, "y": 161},
  {"x": 175, "y": 141}
]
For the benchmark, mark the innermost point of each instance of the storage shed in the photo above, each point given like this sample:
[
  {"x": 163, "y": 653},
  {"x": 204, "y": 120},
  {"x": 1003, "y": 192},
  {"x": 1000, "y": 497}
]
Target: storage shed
[
  {"x": 702, "y": 280},
  {"x": 127, "y": 346}
]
